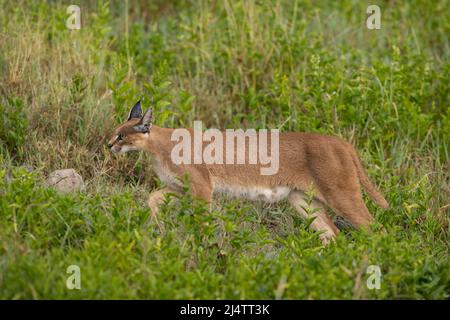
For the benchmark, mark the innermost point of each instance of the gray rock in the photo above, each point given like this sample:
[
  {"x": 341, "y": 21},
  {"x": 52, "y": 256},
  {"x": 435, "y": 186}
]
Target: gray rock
[{"x": 65, "y": 181}]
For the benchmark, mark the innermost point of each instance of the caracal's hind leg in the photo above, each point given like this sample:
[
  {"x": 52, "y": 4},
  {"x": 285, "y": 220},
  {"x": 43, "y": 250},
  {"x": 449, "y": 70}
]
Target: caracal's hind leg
[
  {"x": 350, "y": 205},
  {"x": 322, "y": 222},
  {"x": 343, "y": 193}
]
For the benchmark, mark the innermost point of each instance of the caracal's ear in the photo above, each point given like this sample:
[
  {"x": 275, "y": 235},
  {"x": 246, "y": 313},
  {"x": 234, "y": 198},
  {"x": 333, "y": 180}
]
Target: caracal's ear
[
  {"x": 145, "y": 124},
  {"x": 136, "y": 111}
]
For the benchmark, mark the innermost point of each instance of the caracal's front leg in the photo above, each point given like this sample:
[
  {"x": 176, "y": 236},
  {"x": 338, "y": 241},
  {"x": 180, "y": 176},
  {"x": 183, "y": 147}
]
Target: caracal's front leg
[
  {"x": 156, "y": 198},
  {"x": 203, "y": 192},
  {"x": 201, "y": 186}
]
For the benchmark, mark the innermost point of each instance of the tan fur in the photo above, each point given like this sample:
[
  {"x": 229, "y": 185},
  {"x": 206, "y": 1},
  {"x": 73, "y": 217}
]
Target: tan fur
[
  {"x": 328, "y": 165},
  {"x": 321, "y": 221}
]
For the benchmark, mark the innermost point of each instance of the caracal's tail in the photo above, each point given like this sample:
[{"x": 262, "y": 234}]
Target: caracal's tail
[{"x": 371, "y": 190}]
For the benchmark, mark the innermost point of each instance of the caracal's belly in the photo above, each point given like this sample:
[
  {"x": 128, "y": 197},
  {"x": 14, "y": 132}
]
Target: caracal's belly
[{"x": 265, "y": 194}]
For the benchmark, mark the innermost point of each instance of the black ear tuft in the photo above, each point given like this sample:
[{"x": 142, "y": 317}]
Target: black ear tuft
[
  {"x": 136, "y": 111},
  {"x": 146, "y": 122}
]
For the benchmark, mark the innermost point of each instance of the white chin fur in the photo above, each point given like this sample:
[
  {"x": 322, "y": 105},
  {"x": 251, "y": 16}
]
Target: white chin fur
[{"x": 127, "y": 149}]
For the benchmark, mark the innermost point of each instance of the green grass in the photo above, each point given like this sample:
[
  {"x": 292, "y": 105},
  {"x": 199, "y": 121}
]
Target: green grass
[{"x": 294, "y": 65}]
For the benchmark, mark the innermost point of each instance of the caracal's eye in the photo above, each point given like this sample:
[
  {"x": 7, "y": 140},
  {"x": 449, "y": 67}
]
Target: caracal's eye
[{"x": 120, "y": 137}]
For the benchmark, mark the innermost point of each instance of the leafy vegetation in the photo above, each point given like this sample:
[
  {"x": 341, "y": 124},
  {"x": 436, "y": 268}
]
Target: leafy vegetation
[{"x": 294, "y": 65}]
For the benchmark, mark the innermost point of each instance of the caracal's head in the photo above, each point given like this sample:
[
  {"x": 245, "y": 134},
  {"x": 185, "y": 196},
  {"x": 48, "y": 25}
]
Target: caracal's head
[{"x": 133, "y": 134}]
